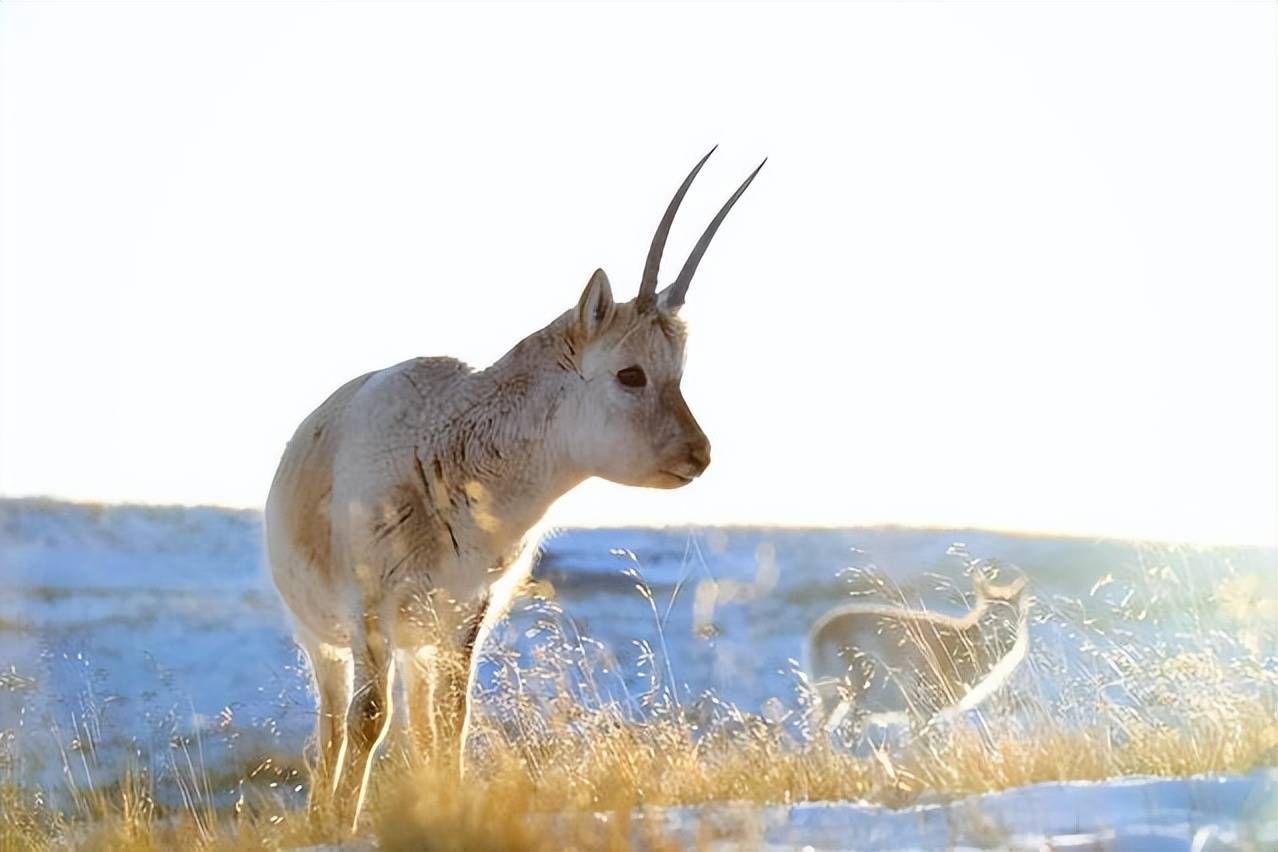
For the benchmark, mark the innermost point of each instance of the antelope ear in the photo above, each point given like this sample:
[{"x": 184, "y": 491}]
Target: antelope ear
[
  {"x": 596, "y": 308},
  {"x": 1017, "y": 587},
  {"x": 980, "y": 583}
]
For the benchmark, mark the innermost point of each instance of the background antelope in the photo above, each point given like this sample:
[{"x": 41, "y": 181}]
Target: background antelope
[
  {"x": 878, "y": 660},
  {"x": 399, "y": 517}
]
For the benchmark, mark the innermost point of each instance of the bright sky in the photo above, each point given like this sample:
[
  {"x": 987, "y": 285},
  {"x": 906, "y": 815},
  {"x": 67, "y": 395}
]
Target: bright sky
[{"x": 1010, "y": 265}]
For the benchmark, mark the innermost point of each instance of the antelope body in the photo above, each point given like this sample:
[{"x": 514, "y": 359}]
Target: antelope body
[
  {"x": 889, "y": 662},
  {"x": 398, "y": 520}
]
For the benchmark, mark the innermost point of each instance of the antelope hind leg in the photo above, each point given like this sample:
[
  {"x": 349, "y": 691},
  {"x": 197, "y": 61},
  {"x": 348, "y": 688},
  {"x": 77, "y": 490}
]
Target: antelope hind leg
[
  {"x": 367, "y": 720},
  {"x": 330, "y": 667}
]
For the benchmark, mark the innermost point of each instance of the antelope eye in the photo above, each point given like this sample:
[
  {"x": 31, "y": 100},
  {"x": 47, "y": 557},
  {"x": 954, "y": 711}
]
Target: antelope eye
[{"x": 632, "y": 377}]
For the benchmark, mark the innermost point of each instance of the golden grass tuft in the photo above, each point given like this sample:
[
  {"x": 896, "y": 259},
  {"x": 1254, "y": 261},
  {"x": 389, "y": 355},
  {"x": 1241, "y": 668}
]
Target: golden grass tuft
[{"x": 585, "y": 794}]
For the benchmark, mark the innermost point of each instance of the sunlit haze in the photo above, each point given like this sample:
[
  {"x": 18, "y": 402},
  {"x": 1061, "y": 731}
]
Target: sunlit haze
[{"x": 1008, "y": 265}]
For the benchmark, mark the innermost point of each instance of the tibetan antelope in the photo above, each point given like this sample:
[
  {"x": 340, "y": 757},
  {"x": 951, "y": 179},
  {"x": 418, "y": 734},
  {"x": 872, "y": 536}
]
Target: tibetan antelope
[
  {"x": 399, "y": 518},
  {"x": 890, "y": 663}
]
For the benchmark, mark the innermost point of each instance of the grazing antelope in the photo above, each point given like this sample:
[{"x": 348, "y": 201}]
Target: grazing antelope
[
  {"x": 888, "y": 662},
  {"x": 398, "y": 521}
]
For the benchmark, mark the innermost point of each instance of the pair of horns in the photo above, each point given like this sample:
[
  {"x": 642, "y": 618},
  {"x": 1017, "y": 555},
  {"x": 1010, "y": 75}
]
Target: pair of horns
[{"x": 647, "y": 297}]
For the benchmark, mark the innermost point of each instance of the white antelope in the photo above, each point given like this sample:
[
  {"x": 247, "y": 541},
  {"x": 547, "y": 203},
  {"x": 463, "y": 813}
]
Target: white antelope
[
  {"x": 399, "y": 517},
  {"x": 895, "y": 663}
]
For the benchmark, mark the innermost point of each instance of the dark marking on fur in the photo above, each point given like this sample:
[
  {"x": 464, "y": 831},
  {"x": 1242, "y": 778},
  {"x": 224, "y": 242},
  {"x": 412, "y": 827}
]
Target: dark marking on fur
[
  {"x": 429, "y": 493},
  {"x": 431, "y": 504},
  {"x": 472, "y": 629},
  {"x": 567, "y": 361},
  {"x": 676, "y": 406},
  {"x": 383, "y": 529},
  {"x": 401, "y": 562},
  {"x": 408, "y": 377}
]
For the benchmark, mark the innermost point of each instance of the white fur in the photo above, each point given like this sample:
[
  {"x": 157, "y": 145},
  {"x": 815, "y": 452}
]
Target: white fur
[{"x": 399, "y": 516}]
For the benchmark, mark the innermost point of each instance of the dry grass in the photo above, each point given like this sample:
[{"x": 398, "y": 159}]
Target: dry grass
[
  {"x": 562, "y": 766},
  {"x": 652, "y": 766}
]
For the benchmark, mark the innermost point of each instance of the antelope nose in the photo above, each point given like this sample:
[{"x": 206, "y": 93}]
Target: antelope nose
[{"x": 699, "y": 453}]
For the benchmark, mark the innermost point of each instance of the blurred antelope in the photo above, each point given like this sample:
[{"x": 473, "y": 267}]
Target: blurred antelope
[
  {"x": 399, "y": 516},
  {"x": 886, "y": 663}
]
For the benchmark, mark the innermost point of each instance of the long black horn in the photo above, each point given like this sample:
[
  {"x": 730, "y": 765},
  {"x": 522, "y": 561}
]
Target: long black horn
[
  {"x": 647, "y": 297},
  {"x": 679, "y": 288}
]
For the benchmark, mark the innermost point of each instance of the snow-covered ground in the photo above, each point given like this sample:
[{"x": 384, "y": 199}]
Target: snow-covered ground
[
  {"x": 146, "y": 621},
  {"x": 1128, "y": 815}
]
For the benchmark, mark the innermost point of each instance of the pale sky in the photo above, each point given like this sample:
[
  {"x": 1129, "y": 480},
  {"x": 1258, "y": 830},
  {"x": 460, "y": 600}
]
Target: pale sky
[{"x": 1009, "y": 265}]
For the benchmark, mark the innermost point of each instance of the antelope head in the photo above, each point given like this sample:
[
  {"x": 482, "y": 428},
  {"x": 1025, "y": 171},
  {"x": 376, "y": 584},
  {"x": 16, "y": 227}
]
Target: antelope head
[
  {"x": 625, "y": 415},
  {"x": 1010, "y": 593}
]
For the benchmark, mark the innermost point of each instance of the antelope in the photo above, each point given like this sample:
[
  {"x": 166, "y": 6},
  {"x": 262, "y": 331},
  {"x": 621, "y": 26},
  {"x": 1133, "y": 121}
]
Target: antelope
[
  {"x": 888, "y": 663},
  {"x": 399, "y": 521}
]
